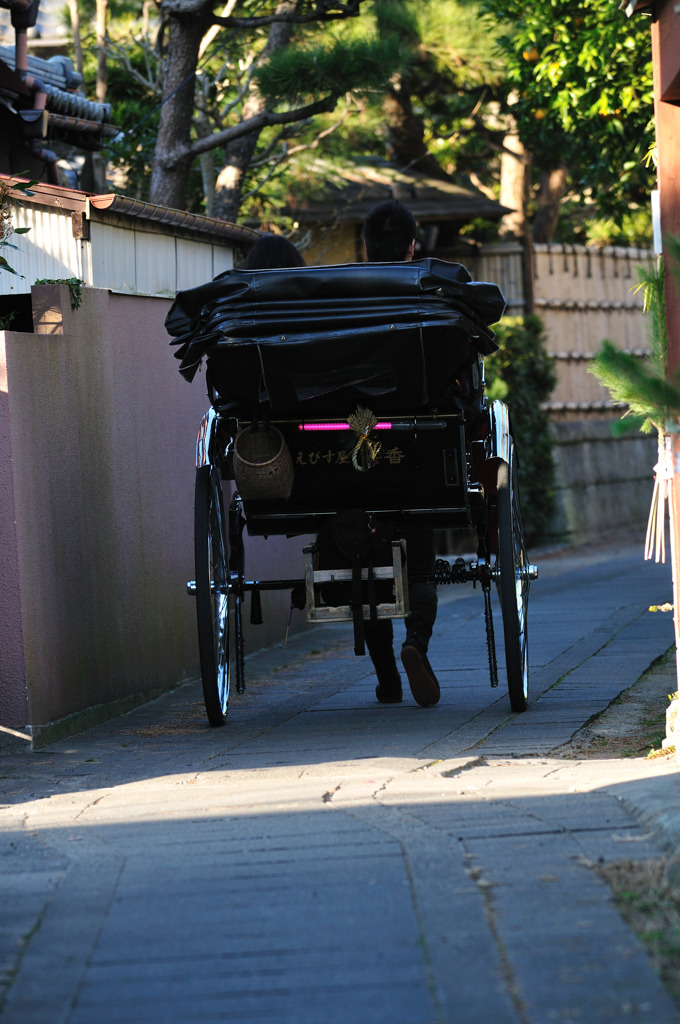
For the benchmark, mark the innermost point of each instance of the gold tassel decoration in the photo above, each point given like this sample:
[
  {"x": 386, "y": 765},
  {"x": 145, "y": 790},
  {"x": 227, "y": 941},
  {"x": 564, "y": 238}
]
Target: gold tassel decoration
[{"x": 365, "y": 451}]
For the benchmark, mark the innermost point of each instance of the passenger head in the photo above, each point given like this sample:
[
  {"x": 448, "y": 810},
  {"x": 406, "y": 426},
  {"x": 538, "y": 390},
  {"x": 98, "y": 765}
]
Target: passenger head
[
  {"x": 272, "y": 251},
  {"x": 389, "y": 233}
]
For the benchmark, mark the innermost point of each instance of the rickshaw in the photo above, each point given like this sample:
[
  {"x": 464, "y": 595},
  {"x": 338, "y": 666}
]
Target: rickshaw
[{"x": 356, "y": 387}]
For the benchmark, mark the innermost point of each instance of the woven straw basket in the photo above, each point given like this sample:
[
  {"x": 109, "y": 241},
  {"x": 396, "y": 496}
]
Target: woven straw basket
[{"x": 263, "y": 467}]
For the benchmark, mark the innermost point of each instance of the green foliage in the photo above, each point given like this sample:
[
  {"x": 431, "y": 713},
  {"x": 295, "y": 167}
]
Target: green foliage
[
  {"x": 448, "y": 41},
  {"x": 298, "y": 75},
  {"x": 133, "y": 89},
  {"x": 461, "y": 84},
  {"x": 652, "y": 285},
  {"x": 652, "y": 399},
  {"x": 585, "y": 99},
  {"x": 451, "y": 74},
  {"x": 7, "y": 228},
  {"x": 75, "y": 287},
  {"x": 117, "y": 9},
  {"x": 582, "y": 223},
  {"x": 521, "y": 374},
  {"x": 646, "y": 394},
  {"x": 454, "y": 78},
  {"x": 453, "y": 44},
  {"x": 321, "y": 60},
  {"x": 582, "y": 76},
  {"x": 630, "y": 227}
]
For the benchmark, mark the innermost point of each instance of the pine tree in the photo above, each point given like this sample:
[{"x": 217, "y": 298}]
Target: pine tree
[{"x": 652, "y": 399}]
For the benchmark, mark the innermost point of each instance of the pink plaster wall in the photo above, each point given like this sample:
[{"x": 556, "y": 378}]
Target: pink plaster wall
[
  {"x": 13, "y": 692},
  {"x": 100, "y": 428}
]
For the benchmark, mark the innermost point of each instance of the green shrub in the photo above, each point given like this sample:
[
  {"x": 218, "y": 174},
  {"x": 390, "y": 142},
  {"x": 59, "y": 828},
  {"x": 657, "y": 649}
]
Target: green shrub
[{"x": 521, "y": 375}]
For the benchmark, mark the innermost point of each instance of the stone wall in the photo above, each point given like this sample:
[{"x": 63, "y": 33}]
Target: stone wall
[{"x": 603, "y": 484}]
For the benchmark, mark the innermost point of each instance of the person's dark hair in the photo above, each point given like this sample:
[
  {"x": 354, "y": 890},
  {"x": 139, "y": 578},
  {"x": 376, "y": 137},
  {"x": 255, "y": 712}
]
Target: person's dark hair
[
  {"x": 389, "y": 230},
  {"x": 272, "y": 251}
]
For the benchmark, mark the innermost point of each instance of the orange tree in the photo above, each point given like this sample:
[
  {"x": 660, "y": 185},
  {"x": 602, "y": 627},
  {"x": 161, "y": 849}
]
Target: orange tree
[{"x": 580, "y": 75}]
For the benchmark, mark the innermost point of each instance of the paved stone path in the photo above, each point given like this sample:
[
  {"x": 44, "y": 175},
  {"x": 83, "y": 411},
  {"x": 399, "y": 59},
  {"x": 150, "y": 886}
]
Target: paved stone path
[{"x": 327, "y": 859}]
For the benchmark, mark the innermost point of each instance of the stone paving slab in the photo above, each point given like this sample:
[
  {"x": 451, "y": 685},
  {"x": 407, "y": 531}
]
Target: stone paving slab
[{"x": 324, "y": 857}]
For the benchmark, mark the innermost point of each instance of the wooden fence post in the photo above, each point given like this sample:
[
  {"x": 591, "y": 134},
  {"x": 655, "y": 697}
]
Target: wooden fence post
[{"x": 672, "y": 719}]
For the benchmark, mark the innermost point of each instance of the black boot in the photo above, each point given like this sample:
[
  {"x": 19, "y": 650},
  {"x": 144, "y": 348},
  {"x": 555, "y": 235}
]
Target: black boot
[
  {"x": 422, "y": 599},
  {"x": 378, "y": 637},
  {"x": 422, "y": 680}
]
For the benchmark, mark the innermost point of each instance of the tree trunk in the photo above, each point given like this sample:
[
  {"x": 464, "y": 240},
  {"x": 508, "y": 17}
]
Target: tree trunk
[
  {"x": 515, "y": 185},
  {"x": 171, "y": 164},
  {"x": 514, "y": 194},
  {"x": 207, "y": 162},
  {"x": 229, "y": 183},
  {"x": 406, "y": 133},
  {"x": 552, "y": 187},
  {"x": 75, "y": 31},
  {"x": 102, "y": 82},
  {"x": 239, "y": 153}
]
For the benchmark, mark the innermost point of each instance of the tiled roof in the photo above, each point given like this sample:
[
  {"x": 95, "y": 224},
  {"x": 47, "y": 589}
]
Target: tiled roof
[
  {"x": 103, "y": 206},
  {"x": 350, "y": 192}
]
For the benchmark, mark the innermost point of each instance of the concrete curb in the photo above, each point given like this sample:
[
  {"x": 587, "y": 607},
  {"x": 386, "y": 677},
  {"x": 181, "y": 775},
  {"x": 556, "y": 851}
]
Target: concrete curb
[{"x": 655, "y": 804}]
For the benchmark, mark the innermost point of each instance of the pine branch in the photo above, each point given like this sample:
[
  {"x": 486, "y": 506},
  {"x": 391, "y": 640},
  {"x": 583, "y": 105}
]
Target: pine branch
[
  {"x": 652, "y": 398},
  {"x": 631, "y": 422},
  {"x": 323, "y": 11},
  {"x": 646, "y": 393},
  {"x": 299, "y": 74},
  {"x": 651, "y": 284},
  {"x": 256, "y": 123}
]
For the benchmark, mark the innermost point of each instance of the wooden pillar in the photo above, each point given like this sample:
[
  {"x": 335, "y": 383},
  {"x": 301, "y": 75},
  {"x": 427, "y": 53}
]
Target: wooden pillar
[{"x": 666, "y": 59}]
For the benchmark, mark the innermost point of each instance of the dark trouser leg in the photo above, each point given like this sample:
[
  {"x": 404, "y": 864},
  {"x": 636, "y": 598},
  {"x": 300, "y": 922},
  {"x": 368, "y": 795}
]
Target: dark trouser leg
[
  {"x": 422, "y": 596},
  {"x": 378, "y": 636}
]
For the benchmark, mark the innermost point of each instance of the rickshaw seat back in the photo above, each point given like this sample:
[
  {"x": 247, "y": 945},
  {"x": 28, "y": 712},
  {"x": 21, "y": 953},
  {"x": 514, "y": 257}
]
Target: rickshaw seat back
[{"x": 315, "y": 341}]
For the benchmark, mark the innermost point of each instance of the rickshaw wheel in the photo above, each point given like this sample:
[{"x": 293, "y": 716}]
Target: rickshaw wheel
[
  {"x": 513, "y": 582},
  {"x": 212, "y": 594}
]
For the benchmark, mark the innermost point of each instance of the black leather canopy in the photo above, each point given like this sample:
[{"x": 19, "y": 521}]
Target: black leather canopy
[{"x": 319, "y": 338}]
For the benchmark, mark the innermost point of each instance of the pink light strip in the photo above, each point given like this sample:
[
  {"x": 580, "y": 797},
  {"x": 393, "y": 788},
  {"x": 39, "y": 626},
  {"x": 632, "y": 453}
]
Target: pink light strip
[{"x": 323, "y": 427}]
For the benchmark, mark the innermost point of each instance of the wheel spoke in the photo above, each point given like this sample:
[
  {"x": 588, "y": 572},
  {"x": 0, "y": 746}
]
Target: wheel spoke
[
  {"x": 213, "y": 594},
  {"x": 512, "y": 579},
  {"x": 222, "y": 648}
]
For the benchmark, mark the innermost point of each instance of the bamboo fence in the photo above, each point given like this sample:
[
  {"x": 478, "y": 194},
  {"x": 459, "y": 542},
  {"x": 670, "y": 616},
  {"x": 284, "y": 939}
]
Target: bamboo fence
[{"x": 583, "y": 296}]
